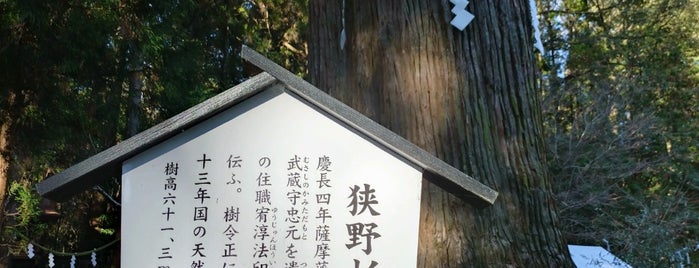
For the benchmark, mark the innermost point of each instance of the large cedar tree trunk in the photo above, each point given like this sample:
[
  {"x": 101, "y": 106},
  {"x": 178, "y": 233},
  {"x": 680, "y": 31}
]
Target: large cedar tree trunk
[{"x": 470, "y": 98}]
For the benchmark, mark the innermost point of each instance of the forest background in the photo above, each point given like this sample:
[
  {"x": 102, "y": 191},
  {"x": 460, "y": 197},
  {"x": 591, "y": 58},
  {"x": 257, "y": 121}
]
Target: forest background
[{"x": 619, "y": 84}]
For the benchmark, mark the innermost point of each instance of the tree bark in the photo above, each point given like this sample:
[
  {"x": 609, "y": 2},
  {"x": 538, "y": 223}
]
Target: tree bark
[
  {"x": 135, "y": 102},
  {"x": 134, "y": 63},
  {"x": 4, "y": 180},
  {"x": 4, "y": 165},
  {"x": 471, "y": 98}
]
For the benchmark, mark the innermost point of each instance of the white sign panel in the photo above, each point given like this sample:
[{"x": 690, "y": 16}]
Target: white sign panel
[
  {"x": 594, "y": 257},
  {"x": 271, "y": 182}
]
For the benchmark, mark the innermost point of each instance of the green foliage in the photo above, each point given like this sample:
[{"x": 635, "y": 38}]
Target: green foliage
[
  {"x": 621, "y": 108},
  {"x": 66, "y": 69},
  {"x": 105, "y": 219},
  {"x": 26, "y": 214},
  {"x": 27, "y": 208}
]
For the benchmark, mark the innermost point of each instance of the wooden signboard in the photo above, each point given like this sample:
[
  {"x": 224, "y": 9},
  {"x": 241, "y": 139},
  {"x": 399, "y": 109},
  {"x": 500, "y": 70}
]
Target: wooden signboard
[
  {"x": 271, "y": 182},
  {"x": 270, "y": 173}
]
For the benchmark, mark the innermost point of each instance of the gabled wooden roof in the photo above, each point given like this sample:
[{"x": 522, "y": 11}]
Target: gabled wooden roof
[{"x": 107, "y": 163}]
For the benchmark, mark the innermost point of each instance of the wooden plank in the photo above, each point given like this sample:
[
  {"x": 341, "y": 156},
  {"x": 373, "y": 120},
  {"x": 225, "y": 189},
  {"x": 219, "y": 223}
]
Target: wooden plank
[
  {"x": 447, "y": 176},
  {"x": 107, "y": 164}
]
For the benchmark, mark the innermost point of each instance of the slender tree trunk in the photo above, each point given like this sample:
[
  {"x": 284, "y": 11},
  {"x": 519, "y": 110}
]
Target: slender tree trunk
[
  {"x": 4, "y": 167},
  {"x": 5, "y": 123},
  {"x": 135, "y": 102},
  {"x": 471, "y": 98},
  {"x": 129, "y": 25},
  {"x": 4, "y": 180}
]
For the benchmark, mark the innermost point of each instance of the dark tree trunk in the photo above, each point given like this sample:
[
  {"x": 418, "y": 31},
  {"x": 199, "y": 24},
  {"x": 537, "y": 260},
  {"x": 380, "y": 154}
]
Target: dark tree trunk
[
  {"x": 471, "y": 98},
  {"x": 4, "y": 165},
  {"x": 135, "y": 102},
  {"x": 5, "y": 123}
]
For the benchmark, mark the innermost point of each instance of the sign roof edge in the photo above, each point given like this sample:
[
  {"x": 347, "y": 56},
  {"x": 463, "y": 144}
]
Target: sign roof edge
[
  {"x": 448, "y": 176},
  {"x": 98, "y": 168}
]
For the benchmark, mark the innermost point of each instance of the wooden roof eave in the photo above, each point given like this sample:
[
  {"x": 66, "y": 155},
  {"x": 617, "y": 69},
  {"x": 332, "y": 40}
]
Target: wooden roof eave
[
  {"x": 107, "y": 164},
  {"x": 447, "y": 176}
]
